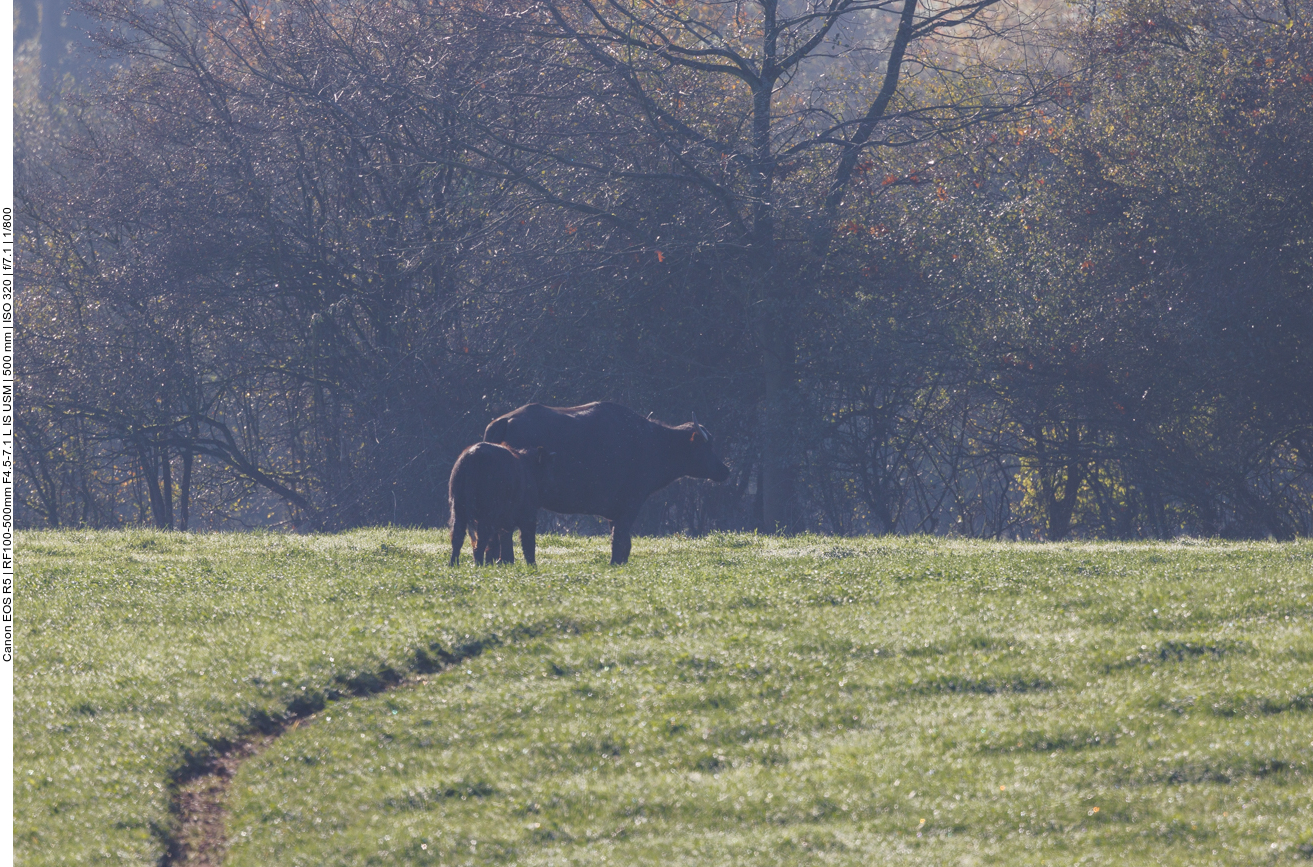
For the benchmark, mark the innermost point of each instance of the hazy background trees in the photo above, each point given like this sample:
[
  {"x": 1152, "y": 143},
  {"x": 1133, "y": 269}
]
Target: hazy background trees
[{"x": 973, "y": 268}]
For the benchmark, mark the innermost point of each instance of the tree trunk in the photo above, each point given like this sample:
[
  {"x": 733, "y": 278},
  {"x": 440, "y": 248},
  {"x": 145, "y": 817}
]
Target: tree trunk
[
  {"x": 149, "y": 460},
  {"x": 779, "y": 467},
  {"x": 33, "y": 452},
  {"x": 1059, "y": 509},
  {"x": 184, "y": 492},
  {"x": 166, "y": 486}
]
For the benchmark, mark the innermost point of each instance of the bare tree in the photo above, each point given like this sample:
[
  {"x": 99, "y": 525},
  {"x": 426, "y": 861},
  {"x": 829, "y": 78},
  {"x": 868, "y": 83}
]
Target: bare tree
[{"x": 767, "y": 112}]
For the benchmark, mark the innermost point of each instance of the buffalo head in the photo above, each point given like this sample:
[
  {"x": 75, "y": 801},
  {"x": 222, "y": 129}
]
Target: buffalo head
[{"x": 700, "y": 459}]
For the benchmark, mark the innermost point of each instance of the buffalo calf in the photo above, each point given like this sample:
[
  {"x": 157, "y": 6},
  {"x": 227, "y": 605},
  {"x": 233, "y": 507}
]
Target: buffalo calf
[{"x": 495, "y": 488}]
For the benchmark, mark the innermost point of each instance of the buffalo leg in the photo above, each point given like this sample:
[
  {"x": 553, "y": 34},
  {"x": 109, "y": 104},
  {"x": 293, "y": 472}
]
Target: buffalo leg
[
  {"x": 506, "y": 541},
  {"x": 621, "y": 541},
  {"x": 529, "y": 538},
  {"x": 457, "y": 540},
  {"x": 481, "y": 542}
]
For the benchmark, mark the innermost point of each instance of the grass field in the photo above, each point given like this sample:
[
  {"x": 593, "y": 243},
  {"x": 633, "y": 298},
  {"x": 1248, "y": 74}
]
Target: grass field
[{"x": 724, "y": 700}]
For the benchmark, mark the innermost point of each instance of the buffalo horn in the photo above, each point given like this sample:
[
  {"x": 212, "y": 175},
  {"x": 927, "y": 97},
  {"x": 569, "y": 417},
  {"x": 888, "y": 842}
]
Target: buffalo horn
[{"x": 706, "y": 436}]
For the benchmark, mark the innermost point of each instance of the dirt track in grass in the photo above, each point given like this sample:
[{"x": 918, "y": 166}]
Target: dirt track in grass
[
  {"x": 200, "y": 806},
  {"x": 200, "y": 802}
]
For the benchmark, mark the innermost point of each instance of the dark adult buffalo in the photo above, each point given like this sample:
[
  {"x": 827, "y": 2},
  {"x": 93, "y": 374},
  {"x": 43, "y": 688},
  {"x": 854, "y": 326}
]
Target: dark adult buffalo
[
  {"x": 493, "y": 490},
  {"x": 609, "y": 459}
]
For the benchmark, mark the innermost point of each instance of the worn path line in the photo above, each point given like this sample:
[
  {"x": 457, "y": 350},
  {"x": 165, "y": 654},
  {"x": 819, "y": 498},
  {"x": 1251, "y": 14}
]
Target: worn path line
[{"x": 199, "y": 804}]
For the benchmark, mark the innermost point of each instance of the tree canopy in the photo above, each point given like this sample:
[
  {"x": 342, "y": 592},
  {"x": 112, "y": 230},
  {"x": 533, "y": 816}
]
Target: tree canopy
[{"x": 984, "y": 267}]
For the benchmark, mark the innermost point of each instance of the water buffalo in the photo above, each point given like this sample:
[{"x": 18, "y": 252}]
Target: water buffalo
[
  {"x": 609, "y": 459},
  {"x": 494, "y": 488}
]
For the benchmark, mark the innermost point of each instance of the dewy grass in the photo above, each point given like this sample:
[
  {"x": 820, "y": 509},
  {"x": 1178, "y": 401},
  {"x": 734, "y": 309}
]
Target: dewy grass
[{"x": 730, "y": 699}]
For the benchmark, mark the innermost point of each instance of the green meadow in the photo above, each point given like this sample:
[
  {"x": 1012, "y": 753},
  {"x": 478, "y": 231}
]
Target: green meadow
[{"x": 731, "y": 699}]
